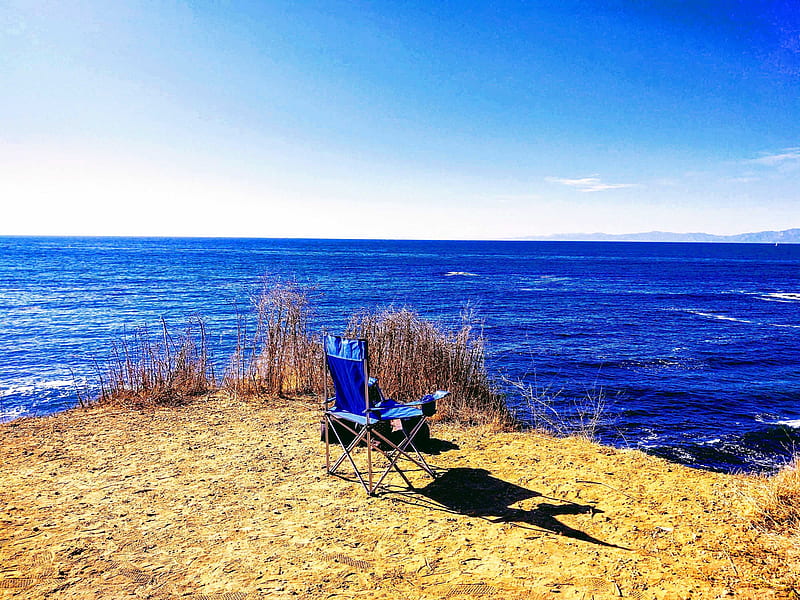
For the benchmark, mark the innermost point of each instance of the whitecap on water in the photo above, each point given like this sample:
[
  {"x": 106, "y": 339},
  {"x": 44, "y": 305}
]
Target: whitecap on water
[
  {"x": 460, "y": 274},
  {"x": 773, "y": 419},
  {"x": 711, "y": 315},
  {"x": 17, "y": 389},
  {"x": 552, "y": 279},
  {"x": 30, "y": 386},
  {"x": 718, "y": 316},
  {"x": 781, "y": 297},
  {"x": 9, "y": 414},
  {"x": 710, "y": 442}
]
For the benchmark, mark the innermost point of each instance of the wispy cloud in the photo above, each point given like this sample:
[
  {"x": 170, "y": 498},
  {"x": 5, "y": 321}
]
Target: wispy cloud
[
  {"x": 787, "y": 156},
  {"x": 590, "y": 184}
]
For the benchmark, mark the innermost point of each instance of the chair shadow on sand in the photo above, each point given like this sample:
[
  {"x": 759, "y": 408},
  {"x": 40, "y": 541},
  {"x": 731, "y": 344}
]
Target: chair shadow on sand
[
  {"x": 475, "y": 492},
  {"x": 435, "y": 446}
]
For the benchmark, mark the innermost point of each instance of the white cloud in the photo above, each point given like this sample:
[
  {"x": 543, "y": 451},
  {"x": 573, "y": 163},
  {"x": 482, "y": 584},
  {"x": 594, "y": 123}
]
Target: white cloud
[
  {"x": 589, "y": 184},
  {"x": 789, "y": 155}
]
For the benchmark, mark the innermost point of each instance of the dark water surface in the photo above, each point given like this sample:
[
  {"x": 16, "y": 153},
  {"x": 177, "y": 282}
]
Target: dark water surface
[{"x": 694, "y": 347}]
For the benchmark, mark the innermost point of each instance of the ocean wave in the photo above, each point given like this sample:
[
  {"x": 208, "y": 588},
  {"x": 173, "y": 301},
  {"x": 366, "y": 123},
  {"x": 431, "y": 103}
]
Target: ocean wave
[
  {"x": 711, "y": 315},
  {"x": 32, "y": 387},
  {"x": 460, "y": 274},
  {"x": 793, "y": 423},
  {"x": 711, "y": 442},
  {"x": 763, "y": 450},
  {"x": 787, "y": 297},
  {"x": 15, "y": 390},
  {"x": 34, "y": 397},
  {"x": 659, "y": 364},
  {"x": 9, "y": 414},
  {"x": 721, "y": 317}
]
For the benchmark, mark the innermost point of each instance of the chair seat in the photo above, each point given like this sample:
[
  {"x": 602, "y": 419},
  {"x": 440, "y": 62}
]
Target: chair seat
[{"x": 348, "y": 416}]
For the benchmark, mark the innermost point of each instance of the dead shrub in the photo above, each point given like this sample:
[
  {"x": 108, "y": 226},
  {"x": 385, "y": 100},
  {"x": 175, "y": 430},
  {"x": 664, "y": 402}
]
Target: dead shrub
[
  {"x": 279, "y": 357},
  {"x": 412, "y": 356},
  {"x": 145, "y": 371}
]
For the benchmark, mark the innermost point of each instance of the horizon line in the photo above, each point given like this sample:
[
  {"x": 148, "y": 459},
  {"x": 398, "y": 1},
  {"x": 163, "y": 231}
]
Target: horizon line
[{"x": 557, "y": 237}]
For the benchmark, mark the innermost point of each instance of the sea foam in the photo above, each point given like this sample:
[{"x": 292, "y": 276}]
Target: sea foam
[{"x": 782, "y": 297}]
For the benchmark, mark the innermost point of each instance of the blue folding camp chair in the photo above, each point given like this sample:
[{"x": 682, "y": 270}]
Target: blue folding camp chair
[{"x": 355, "y": 411}]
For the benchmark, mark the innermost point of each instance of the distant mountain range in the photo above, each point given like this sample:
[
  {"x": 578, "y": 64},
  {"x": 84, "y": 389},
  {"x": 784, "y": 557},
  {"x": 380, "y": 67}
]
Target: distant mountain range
[{"x": 787, "y": 236}]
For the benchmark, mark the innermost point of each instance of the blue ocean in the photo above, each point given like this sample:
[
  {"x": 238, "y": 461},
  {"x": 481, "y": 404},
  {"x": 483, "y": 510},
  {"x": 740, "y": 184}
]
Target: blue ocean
[{"x": 693, "y": 348}]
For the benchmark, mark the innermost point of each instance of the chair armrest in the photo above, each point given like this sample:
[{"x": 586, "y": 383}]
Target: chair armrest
[
  {"x": 437, "y": 395},
  {"x": 426, "y": 403}
]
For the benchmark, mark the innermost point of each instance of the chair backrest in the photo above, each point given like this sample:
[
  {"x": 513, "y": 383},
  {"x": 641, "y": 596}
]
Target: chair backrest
[{"x": 347, "y": 363}]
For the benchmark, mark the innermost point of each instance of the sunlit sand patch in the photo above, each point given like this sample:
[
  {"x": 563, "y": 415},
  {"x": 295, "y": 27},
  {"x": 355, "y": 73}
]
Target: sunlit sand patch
[{"x": 187, "y": 515}]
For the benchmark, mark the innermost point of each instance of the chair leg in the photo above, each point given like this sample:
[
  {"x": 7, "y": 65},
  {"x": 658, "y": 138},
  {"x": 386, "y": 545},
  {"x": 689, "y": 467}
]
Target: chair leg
[
  {"x": 370, "y": 435},
  {"x": 370, "y": 489},
  {"x": 327, "y": 445},
  {"x": 347, "y": 449},
  {"x": 398, "y": 451},
  {"x": 409, "y": 441},
  {"x": 403, "y": 475}
]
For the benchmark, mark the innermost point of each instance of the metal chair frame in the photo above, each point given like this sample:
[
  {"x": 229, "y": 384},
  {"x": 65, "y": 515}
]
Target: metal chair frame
[{"x": 374, "y": 439}]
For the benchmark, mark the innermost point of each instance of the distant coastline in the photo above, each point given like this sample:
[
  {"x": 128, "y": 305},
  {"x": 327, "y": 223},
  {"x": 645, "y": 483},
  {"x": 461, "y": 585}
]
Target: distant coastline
[{"x": 787, "y": 236}]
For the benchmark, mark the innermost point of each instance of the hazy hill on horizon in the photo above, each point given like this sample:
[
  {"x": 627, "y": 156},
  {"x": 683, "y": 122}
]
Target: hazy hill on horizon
[{"x": 786, "y": 236}]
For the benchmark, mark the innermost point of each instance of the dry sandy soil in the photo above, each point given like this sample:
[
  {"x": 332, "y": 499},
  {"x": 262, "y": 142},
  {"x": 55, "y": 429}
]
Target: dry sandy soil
[{"x": 229, "y": 500}]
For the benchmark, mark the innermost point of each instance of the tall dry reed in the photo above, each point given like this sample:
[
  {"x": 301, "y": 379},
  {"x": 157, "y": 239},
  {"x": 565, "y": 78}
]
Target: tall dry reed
[
  {"x": 775, "y": 500},
  {"x": 277, "y": 356},
  {"x": 550, "y": 412},
  {"x": 144, "y": 370},
  {"x": 411, "y": 357}
]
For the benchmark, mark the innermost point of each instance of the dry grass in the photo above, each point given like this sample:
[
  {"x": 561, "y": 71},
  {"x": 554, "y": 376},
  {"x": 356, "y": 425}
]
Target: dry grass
[
  {"x": 277, "y": 356},
  {"x": 280, "y": 357},
  {"x": 775, "y": 500},
  {"x": 145, "y": 371},
  {"x": 412, "y": 357}
]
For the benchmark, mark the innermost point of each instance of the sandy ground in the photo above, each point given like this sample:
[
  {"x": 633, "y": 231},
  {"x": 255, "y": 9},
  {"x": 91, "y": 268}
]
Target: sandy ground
[{"x": 229, "y": 500}]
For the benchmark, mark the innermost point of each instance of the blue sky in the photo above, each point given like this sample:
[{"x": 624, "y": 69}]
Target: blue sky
[{"x": 399, "y": 119}]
